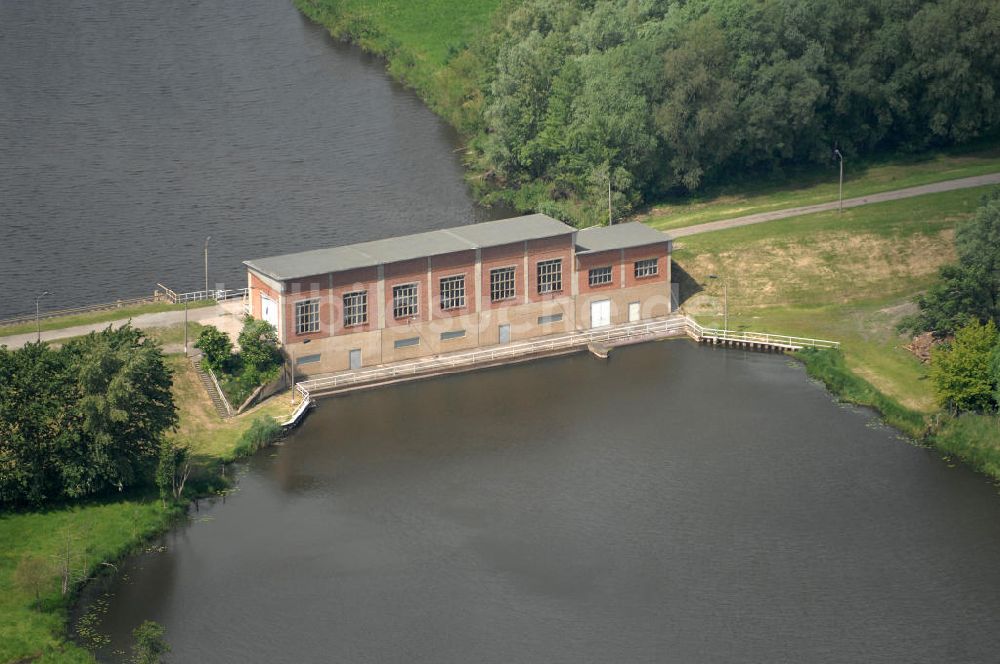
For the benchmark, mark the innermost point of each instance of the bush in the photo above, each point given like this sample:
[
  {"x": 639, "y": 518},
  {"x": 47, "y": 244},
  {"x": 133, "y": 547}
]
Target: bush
[
  {"x": 259, "y": 345},
  {"x": 961, "y": 370},
  {"x": 216, "y": 346}
]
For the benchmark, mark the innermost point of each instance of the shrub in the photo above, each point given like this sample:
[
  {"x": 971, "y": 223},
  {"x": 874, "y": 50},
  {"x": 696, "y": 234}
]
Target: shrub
[
  {"x": 216, "y": 346},
  {"x": 259, "y": 345},
  {"x": 961, "y": 370}
]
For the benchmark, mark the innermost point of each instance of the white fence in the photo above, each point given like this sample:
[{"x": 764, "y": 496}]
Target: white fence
[
  {"x": 716, "y": 335},
  {"x": 619, "y": 334},
  {"x": 217, "y": 294},
  {"x": 616, "y": 335}
]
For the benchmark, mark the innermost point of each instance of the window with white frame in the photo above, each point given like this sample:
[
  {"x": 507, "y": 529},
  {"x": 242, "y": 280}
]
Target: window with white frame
[
  {"x": 404, "y": 301},
  {"x": 453, "y": 292},
  {"x": 599, "y": 276},
  {"x": 502, "y": 284},
  {"x": 355, "y": 308},
  {"x": 550, "y": 276},
  {"x": 647, "y": 267},
  {"x": 306, "y": 316}
]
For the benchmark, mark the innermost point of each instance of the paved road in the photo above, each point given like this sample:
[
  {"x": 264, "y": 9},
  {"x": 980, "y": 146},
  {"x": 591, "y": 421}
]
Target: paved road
[
  {"x": 222, "y": 316},
  {"x": 933, "y": 188}
]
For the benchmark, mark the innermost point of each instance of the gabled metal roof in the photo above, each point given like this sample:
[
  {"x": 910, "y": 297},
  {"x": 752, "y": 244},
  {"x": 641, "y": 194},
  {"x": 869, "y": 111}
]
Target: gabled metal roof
[
  {"x": 620, "y": 236},
  {"x": 408, "y": 247}
]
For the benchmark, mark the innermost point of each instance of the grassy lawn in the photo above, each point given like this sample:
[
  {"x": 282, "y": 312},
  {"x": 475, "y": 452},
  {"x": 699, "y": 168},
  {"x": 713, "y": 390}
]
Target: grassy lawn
[
  {"x": 845, "y": 276},
  {"x": 208, "y": 437},
  {"x": 108, "y": 315},
  {"x": 91, "y": 532},
  {"x": 821, "y": 187},
  {"x": 104, "y": 530},
  {"x": 430, "y": 29},
  {"x": 424, "y": 43}
]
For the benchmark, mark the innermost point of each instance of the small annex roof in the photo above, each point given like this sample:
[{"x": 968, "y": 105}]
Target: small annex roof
[
  {"x": 620, "y": 236},
  {"x": 409, "y": 247}
]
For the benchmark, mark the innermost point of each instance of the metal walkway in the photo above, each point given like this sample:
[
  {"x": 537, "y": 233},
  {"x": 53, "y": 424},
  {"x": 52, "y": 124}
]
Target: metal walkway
[{"x": 618, "y": 335}]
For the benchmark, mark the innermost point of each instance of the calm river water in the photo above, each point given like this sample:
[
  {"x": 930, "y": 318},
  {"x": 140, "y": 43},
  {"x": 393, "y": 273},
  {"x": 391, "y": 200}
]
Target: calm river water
[
  {"x": 130, "y": 131},
  {"x": 673, "y": 504}
]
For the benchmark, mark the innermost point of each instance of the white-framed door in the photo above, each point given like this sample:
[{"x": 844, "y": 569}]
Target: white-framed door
[
  {"x": 600, "y": 313},
  {"x": 268, "y": 310},
  {"x": 634, "y": 312}
]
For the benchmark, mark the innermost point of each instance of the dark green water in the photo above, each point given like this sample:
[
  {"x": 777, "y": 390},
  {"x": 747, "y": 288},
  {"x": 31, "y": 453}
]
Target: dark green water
[{"x": 674, "y": 503}]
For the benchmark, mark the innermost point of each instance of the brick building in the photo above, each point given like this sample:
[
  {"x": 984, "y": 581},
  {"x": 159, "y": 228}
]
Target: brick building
[{"x": 459, "y": 288}]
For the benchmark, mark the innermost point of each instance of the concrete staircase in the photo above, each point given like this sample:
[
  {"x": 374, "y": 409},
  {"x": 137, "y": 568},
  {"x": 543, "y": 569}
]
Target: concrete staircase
[{"x": 206, "y": 380}]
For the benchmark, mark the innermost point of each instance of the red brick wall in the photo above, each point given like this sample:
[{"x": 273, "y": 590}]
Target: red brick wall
[
  {"x": 257, "y": 286},
  {"x": 601, "y": 259},
  {"x": 452, "y": 265},
  {"x": 297, "y": 290},
  {"x": 365, "y": 279},
  {"x": 548, "y": 249},
  {"x": 508, "y": 255},
  {"x": 407, "y": 272},
  {"x": 658, "y": 251}
]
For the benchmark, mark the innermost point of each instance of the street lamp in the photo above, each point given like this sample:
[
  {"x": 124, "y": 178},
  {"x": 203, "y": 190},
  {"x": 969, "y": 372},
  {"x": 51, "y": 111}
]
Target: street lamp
[
  {"x": 840, "y": 157},
  {"x": 725, "y": 301},
  {"x": 38, "y": 325},
  {"x": 206, "y": 265}
]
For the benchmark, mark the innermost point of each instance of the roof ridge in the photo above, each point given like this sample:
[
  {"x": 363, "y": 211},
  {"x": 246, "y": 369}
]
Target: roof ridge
[{"x": 450, "y": 232}]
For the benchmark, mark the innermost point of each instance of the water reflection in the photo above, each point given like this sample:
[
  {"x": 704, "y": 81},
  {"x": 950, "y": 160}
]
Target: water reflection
[{"x": 671, "y": 503}]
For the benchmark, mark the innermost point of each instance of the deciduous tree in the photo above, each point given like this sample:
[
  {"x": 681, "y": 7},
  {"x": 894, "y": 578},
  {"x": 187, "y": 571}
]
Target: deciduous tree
[{"x": 961, "y": 370}]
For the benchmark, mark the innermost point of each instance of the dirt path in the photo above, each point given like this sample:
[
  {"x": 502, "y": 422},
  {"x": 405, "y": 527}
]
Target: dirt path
[{"x": 933, "y": 188}]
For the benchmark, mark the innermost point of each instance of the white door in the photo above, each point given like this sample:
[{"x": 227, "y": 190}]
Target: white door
[
  {"x": 268, "y": 310},
  {"x": 600, "y": 313},
  {"x": 355, "y": 359},
  {"x": 633, "y": 312},
  {"x": 505, "y": 333}
]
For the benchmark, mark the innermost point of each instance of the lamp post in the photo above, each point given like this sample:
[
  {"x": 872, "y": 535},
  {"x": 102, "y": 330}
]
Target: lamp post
[
  {"x": 725, "y": 301},
  {"x": 38, "y": 325},
  {"x": 206, "y": 265},
  {"x": 840, "y": 158},
  {"x": 185, "y": 328}
]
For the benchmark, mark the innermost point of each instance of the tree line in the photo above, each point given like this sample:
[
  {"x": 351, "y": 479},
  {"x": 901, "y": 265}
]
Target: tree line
[
  {"x": 83, "y": 419},
  {"x": 962, "y": 309},
  {"x": 660, "y": 96}
]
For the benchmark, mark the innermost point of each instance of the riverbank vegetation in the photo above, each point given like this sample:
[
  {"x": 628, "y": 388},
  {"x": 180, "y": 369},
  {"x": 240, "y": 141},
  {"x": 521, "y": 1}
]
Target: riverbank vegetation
[
  {"x": 562, "y": 99},
  {"x": 47, "y": 552},
  {"x": 81, "y": 420},
  {"x": 854, "y": 276}
]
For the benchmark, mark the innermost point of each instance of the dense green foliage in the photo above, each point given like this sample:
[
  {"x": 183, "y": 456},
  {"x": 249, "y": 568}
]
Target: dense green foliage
[
  {"x": 970, "y": 289},
  {"x": 258, "y": 342},
  {"x": 961, "y": 370},
  {"x": 665, "y": 96},
  {"x": 262, "y": 432},
  {"x": 82, "y": 419},
  {"x": 257, "y": 363},
  {"x": 216, "y": 346}
]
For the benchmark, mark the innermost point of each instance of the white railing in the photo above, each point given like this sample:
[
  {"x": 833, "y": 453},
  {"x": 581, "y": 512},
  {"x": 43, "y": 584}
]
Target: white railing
[
  {"x": 217, "y": 294},
  {"x": 662, "y": 327},
  {"x": 618, "y": 334},
  {"x": 737, "y": 336}
]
